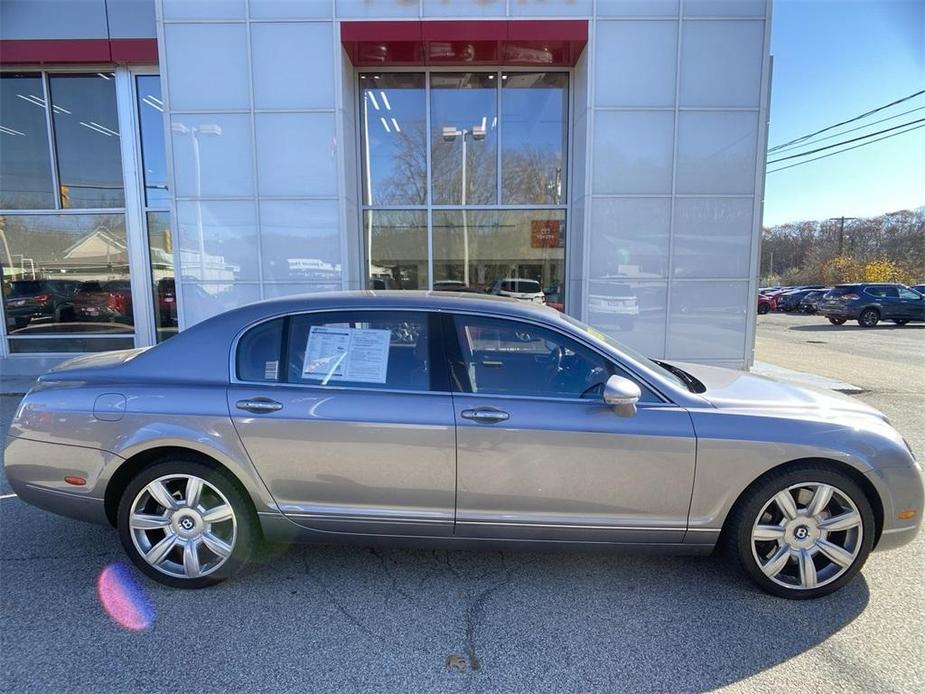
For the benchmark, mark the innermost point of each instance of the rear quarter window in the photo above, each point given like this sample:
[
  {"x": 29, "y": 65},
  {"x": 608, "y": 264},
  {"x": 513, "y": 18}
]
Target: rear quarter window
[{"x": 257, "y": 358}]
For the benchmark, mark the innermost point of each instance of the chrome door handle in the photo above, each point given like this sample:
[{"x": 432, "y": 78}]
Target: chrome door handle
[
  {"x": 486, "y": 414},
  {"x": 259, "y": 405}
]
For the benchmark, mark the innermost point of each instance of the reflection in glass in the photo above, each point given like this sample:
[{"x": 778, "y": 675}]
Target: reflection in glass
[
  {"x": 151, "y": 122},
  {"x": 534, "y": 114},
  {"x": 464, "y": 138},
  {"x": 394, "y": 139},
  {"x": 45, "y": 345},
  {"x": 25, "y": 164},
  {"x": 87, "y": 140},
  {"x": 518, "y": 253},
  {"x": 65, "y": 273},
  {"x": 160, "y": 249},
  {"x": 396, "y": 248}
]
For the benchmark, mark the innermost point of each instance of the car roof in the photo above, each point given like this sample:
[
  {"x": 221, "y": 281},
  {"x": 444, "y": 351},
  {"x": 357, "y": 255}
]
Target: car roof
[{"x": 191, "y": 353}]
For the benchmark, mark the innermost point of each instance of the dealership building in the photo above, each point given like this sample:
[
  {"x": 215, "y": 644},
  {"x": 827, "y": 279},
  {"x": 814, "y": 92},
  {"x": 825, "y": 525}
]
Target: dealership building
[{"x": 162, "y": 161}]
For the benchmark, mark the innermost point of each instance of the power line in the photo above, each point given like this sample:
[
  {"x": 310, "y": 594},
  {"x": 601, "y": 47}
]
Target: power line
[
  {"x": 851, "y": 130},
  {"x": 847, "y": 149},
  {"x": 845, "y": 122},
  {"x": 847, "y": 142}
]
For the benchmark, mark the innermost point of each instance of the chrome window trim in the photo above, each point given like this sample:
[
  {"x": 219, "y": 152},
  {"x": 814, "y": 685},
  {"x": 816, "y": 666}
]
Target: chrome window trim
[{"x": 234, "y": 380}]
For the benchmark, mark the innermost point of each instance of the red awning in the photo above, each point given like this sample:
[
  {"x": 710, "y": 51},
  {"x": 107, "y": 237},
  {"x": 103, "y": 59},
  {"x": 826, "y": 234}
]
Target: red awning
[{"x": 540, "y": 43}]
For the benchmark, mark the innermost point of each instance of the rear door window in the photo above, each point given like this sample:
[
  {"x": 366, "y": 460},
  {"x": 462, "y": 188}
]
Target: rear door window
[{"x": 385, "y": 350}]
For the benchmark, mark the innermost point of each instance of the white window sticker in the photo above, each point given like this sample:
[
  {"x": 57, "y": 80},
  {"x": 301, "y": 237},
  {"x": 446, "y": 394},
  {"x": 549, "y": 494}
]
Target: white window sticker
[
  {"x": 347, "y": 354},
  {"x": 271, "y": 371}
]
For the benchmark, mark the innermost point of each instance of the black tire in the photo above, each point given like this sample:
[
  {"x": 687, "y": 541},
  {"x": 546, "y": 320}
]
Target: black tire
[
  {"x": 869, "y": 318},
  {"x": 763, "y": 309},
  {"x": 246, "y": 529},
  {"x": 837, "y": 321},
  {"x": 737, "y": 534},
  {"x": 901, "y": 321}
]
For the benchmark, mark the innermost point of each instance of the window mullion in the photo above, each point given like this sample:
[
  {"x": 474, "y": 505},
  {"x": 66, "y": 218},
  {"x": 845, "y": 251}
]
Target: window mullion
[
  {"x": 135, "y": 222},
  {"x": 429, "y": 177},
  {"x": 52, "y": 150}
]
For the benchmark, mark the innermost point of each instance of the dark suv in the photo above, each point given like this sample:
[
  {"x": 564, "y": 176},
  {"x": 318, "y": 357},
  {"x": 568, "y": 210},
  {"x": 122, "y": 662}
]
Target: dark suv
[{"x": 868, "y": 304}]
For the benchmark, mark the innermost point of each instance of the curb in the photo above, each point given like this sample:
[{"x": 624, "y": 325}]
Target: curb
[{"x": 802, "y": 378}]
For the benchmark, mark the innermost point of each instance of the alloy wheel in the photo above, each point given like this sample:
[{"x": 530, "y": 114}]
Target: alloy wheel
[
  {"x": 183, "y": 526},
  {"x": 807, "y": 535}
]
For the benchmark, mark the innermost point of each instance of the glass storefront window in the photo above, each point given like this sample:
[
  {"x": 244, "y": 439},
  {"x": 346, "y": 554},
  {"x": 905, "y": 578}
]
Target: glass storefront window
[
  {"x": 394, "y": 139},
  {"x": 396, "y": 248},
  {"x": 25, "y": 159},
  {"x": 518, "y": 253},
  {"x": 160, "y": 250},
  {"x": 151, "y": 121},
  {"x": 87, "y": 140},
  {"x": 534, "y": 137},
  {"x": 482, "y": 126},
  {"x": 464, "y": 138},
  {"x": 63, "y": 274}
]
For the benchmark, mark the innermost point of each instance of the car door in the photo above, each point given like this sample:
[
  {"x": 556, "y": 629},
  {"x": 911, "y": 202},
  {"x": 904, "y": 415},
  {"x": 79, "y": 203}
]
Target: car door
[
  {"x": 912, "y": 304},
  {"x": 348, "y": 418},
  {"x": 541, "y": 457}
]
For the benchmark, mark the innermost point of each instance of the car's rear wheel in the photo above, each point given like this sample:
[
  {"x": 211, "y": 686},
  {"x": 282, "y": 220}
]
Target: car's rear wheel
[
  {"x": 186, "y": 524},
  {"x": 869, "y": 318},
  {"x": 802, "y": 533},
  {"x": 763, "y": 309},
  {"x": 837, "y": 321}
]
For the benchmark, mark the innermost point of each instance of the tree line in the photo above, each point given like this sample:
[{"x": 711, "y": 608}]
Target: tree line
[{"x": 888, "y": 248}]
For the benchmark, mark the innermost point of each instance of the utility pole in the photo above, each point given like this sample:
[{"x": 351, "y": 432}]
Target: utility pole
[{"x": 841, "y": 230}]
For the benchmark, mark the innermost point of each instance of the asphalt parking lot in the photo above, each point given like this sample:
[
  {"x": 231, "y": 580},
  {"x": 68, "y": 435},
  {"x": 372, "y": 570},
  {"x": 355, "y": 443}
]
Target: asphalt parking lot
[{"x": 358, "y": 619}]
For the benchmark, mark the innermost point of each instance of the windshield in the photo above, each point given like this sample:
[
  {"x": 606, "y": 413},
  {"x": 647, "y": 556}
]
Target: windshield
[{"x": 631, "y": 353}]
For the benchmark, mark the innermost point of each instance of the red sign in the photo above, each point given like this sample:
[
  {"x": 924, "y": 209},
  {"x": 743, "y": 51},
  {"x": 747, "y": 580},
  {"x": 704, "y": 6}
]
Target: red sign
[{"x": 544, "y": 233}]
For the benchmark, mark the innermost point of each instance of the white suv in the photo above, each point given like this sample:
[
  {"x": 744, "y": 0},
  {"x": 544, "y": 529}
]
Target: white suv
[{"x": 516, "y": 288}]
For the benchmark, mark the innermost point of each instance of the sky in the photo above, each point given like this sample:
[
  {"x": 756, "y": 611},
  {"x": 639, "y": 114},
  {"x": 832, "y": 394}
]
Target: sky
[{"x": 833, "y": 60}]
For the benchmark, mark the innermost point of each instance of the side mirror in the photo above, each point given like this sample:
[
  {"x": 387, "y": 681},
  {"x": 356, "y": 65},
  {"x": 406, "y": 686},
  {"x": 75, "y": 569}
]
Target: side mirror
[{"x": 622, "y": 394}]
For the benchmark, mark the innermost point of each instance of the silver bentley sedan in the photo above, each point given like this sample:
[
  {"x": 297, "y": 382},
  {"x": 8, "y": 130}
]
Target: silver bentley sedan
[{"x": 416, "y": 417}]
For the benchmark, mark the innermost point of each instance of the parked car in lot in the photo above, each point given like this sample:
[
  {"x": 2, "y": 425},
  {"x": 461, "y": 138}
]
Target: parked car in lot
[
  {"x": 767, "y": 303},
  {"x": 790, "y": 301},
  {"x": 48, "y": 300},
  {"x": 459, "y": 421},
  {"x": 517, "y": 288},
  {"x": 810, "y": 301},
  {"x": 869, "y": 303}
]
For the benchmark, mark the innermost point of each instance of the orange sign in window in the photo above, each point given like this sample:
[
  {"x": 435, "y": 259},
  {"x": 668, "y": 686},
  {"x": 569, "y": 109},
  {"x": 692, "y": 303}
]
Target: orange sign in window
[{"x": 544, "y": 233}]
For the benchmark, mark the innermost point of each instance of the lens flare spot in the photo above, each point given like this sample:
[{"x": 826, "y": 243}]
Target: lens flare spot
[{"x": 124, "y": 599}]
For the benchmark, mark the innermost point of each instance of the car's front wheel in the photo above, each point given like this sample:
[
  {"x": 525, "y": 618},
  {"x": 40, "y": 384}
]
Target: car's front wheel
[
  {"x": 186, "y": 524},
  {"x": 837, "y": 321},
  {"x": 803, "y": 532},
  {"x": 869, "y": 318},
  {"x": 763, "y": 309}
]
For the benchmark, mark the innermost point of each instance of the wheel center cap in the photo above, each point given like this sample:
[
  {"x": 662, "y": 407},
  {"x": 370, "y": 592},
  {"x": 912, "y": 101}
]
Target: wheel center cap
[
  {"x": 187, "y": 523},
  {"x": 802, "y": 533}
]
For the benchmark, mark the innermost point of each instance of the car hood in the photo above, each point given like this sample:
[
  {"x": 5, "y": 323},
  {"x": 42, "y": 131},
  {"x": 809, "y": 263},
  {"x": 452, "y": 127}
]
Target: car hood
[{"x": 732, "y": 389}]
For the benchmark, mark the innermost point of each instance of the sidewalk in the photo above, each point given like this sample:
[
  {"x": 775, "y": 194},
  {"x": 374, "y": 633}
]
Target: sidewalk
[{"x": 15, "y": 385}]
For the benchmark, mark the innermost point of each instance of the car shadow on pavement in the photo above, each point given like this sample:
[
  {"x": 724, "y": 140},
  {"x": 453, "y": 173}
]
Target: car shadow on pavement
[
  {"x": 637, "y": 621},
  {"x": 358, "y": 618}
]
